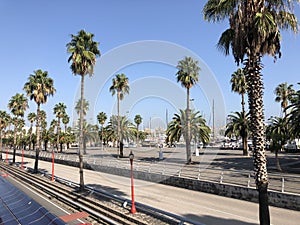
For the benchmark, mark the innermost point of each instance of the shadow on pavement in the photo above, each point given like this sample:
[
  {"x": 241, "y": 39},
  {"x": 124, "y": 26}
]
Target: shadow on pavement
[{"x": 211, "y": 220}]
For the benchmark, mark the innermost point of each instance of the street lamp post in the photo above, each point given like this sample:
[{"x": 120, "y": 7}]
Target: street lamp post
[{"x": 133, "y": 209}]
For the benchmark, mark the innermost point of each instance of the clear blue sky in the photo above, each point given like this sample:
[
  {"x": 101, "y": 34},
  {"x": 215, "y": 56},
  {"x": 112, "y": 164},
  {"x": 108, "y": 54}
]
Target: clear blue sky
[{"x": 35, "y": 34}]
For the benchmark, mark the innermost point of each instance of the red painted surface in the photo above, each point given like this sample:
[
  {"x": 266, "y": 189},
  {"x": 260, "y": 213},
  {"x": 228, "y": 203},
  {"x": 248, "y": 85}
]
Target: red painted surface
[{"x": 75, "y": 216}]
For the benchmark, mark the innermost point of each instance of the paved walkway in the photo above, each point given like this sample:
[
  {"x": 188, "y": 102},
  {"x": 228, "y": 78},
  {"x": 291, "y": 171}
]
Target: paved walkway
[{"x": 201, "y": 207}]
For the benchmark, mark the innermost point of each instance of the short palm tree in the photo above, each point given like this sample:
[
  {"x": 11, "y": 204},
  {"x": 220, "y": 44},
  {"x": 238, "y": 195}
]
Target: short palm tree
[
  {"x": 127, "y": 129},
  {"x": 188, "y": 76},
  {"x": 4, "y": 120},
  {"x": 178, "y": 127},
  {"x": 39, "y": 87},
  {"x": 18, "y": 105},
  {"x": 138, "y": 120},
  {"x": 278, "y": 132},
  {"x": 101, "y": 117},
  {"x": 239, "y": 126},
  {"x": 120, "y": 86},
  {"x": 31, "y": 118},
  {"x": 83, "y": 53},
  {"x": 254, "y": 31},
  {"x": 284, "y": 94},
  {"x": 59, "y": 110}
]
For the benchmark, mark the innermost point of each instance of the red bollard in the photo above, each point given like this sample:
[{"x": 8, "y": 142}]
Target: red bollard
[
  {"x": 6, "y": 155},
  {"x": 22, "y": 164},
  {"x": 52, "y": 177}
]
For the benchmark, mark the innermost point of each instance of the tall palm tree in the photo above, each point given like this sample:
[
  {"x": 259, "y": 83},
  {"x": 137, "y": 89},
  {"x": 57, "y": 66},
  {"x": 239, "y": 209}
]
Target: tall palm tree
[
  {"x": 120, "y": 86},
  {"x": 284, "y": 94},
  {"x": 59, "y": 110},
  {"x": 138, "y": 120},
  {"x": 31, "y": 118},
  {"x": 4, "y": 120},
  {"x": 39, "y": 87},
  {"x": 254, "y": 31},
  {"x": 101, "y": 117},
  {"x": 239, "y": 85},
  {"x": 188, "y": 76},
  {"x": 178, "y": 127},
  {"x": 239, "y": 126},
  {"x": 84, "y": 51},
  {"x": 18, "y": 105}
]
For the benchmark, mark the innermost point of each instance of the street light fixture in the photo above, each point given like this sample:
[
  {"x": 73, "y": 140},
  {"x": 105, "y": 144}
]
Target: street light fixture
[{"x": 133, "y": 209}]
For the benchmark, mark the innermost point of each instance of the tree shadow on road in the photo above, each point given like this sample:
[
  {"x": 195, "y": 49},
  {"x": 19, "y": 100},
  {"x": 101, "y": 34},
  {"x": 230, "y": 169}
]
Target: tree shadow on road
[{"x": 212, "y": 220}]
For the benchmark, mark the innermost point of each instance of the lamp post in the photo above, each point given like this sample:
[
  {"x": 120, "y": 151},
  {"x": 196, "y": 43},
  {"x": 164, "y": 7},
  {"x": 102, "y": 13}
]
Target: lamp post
[{"x": 133, "y": 209}]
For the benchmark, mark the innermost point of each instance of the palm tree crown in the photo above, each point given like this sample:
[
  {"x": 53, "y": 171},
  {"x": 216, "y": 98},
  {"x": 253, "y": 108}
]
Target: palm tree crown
[
  {"x": 284, "y": 94},
  {"x": 39, "y": 86},
  {"x": 188, "y": 72},
  {"x": 18, "y": 104},
  {"x": 120, "y": 85},
  {"x": 84, "y": 52}
]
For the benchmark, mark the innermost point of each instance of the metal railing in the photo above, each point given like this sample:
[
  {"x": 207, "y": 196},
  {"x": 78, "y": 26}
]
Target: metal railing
[{"x": 277, "y": 181}]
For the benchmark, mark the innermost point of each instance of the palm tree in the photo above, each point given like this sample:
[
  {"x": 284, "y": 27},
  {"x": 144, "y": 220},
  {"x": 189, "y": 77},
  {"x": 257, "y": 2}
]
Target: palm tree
[
  {"x": 4, "y": 120},
  {"x": 101, "y": 117},
  {"x": 284, "y": 94},
  {"x": 278, "y": 132},
  {"x": 39, "y": 87},
  {"x": 239, "y": 126},
  {"x": 59, "y": 110},
  {"x": 254, "y": 32},
  {"x": 86, "y": 106},
  {"x": 178, "y": 127},
  {"x": 84, "y": 51},
  {"x": 18, "y": 105},
  {"x": 138, "y": 120},
  {"x": 239, "y": 85},
  {"x": 127, "y": 129},
  {"x": 31, "y": 118},
  {"x": 188, "y": 76},
  {"x": 65, "y": 120},
  {"x": 294, "y": 115},
  {"x": 120, "y": 86}
]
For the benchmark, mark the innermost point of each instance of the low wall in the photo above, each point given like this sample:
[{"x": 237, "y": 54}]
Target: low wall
[{"x": 278, "y": 199}]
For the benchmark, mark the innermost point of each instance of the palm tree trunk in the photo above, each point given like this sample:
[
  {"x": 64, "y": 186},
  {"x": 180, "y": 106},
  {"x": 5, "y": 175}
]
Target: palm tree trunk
[
  {"x": 58, "y": 132},
  {"x": 277, "y": 160},
  {"x": 81, "y": 181},
  {"x": 15, "y": 142},
  {"x": 255, "y": 93},
  {"x": 244, "y": 138},
  {"x": 188, "y": 135},
  {"x": 38, "y": 142},
  {"x": 137, "y": 135},
  {"x": 120, "y": 153}
]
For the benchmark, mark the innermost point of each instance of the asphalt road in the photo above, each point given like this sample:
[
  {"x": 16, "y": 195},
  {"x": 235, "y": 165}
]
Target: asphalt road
[{"x": 201, "y": 207}]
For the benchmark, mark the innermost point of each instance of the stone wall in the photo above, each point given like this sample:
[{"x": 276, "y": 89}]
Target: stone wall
[{"x": 278, "y": 199}]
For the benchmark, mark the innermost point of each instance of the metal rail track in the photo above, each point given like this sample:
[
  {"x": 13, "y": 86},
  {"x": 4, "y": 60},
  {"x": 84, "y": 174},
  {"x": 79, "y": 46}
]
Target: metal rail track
[
  {"x": 65, "y": 191},
  {"x": 78, "y": 201}
]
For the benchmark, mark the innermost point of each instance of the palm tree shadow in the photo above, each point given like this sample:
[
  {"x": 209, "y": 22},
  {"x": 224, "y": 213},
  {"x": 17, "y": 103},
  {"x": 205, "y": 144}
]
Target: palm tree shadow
[{"x": 216, "y": 220}]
